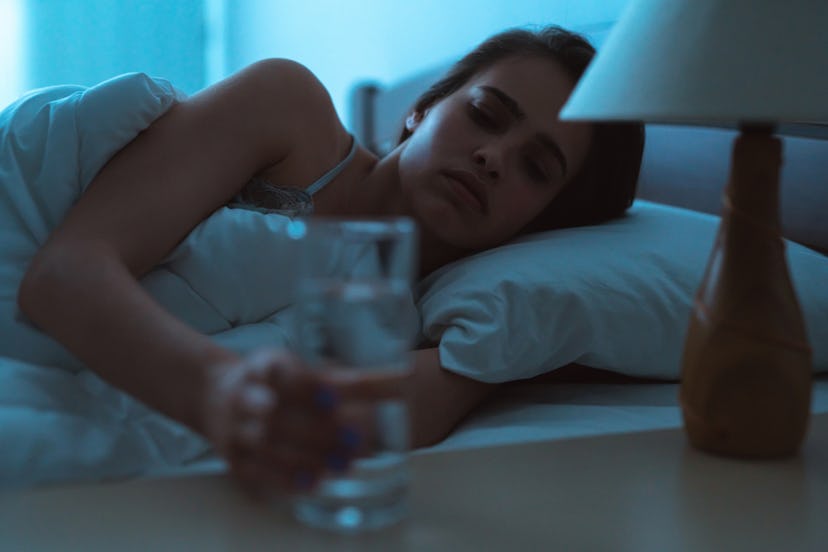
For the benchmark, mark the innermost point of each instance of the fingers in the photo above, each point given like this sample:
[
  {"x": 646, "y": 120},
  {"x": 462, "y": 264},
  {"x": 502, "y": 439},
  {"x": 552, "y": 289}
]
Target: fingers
[
  {"x": 297, "y": 386},
  {"x": 308, "y": 430},
  {"x": 329, "y": 387},
  {"x": 261, "y": 422},
  {"x": 288, "y": 467},
  {"x": 289, "y": 448},
  {"x": 280, "y": 424}
]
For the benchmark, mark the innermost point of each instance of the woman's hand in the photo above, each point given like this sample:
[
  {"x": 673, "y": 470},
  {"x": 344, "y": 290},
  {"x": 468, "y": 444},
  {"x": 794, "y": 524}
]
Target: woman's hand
[{"x": 279, "y": 424}]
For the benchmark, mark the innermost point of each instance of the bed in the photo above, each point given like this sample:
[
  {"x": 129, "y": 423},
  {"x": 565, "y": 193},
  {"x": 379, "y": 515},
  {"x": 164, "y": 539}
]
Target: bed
[{"x": 606, "y": 305}]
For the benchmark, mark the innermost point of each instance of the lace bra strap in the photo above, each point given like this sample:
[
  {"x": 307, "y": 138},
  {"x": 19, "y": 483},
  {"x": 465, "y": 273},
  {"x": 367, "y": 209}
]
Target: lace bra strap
[{"x": 334, "y": 172}]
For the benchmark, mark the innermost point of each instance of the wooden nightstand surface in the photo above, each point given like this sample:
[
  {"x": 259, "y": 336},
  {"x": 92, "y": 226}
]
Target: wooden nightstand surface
[{"x": 637, "y": 491}]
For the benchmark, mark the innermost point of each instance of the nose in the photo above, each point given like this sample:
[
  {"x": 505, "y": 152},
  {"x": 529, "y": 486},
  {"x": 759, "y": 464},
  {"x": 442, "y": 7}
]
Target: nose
[{"x": 487, "y": 161}]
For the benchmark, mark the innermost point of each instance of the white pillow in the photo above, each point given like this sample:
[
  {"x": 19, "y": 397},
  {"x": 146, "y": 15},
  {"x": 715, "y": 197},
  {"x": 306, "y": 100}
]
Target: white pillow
[{"x": 615, "y": 296}]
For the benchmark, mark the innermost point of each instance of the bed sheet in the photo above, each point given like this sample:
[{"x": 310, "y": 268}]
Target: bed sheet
[{"x": 537, "y": 412}]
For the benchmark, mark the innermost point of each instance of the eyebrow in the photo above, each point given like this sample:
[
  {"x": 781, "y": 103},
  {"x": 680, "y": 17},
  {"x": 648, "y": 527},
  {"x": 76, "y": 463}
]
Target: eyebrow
[{"x": 549, "y": 143}]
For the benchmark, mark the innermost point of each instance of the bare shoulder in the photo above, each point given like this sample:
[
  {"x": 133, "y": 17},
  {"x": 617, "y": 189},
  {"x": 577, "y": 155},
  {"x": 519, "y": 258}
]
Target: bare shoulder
[
  {"x": 285, "y": 78},
  {"x": 287, "y": 96},
  {"x": 287, "y": 90}
]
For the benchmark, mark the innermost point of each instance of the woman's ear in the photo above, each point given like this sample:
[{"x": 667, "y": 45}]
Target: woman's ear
[{"x": 413, "y": 121}]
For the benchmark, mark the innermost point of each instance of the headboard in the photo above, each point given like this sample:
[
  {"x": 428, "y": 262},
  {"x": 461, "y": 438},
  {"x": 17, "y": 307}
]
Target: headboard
[{"x": 682, "y": 166}]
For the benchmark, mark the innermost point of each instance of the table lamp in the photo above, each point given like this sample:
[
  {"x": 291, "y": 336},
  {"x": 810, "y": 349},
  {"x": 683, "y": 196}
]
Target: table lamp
[{"x": 746, "y": 369}]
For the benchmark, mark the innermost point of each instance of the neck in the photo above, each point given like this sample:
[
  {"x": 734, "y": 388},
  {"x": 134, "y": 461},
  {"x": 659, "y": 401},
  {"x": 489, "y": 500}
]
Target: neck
[
  {"x": 368, "y": 187},
  {"x": 375, "y": 191}
]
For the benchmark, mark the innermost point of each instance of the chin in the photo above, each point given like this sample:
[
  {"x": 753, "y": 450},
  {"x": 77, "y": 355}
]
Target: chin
[
  {"x": 440, "y": 223},
  {"x": 444, "y": 222}
]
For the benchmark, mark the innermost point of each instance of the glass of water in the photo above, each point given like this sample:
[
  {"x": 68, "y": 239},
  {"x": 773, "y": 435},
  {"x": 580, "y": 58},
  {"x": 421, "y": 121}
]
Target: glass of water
[{"x": 354, "y": 311}]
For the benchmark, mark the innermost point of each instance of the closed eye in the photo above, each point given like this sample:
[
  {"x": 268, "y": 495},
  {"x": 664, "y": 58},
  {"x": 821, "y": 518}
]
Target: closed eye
[
  {"x": 482, "y": 118},
  {"x": 535, "y": 170}
]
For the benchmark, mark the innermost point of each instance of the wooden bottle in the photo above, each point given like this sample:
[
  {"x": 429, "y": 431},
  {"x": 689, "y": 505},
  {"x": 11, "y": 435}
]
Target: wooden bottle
[{"x": 746, "y": 372}]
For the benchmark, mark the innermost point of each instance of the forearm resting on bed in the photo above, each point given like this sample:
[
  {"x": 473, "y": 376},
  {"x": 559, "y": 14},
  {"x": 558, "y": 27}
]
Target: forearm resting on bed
[
  {"x": 90, "y": 302},
  {"x": 440, "y": 399}
]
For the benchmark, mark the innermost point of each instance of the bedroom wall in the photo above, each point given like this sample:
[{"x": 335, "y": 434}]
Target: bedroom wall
[
  {"x": 11, "y": 38},
  {"x": 92, "y": 40},
  {"x": 345, "y": 42},
  {"x": 194, "y": 43},
  {"x": 46, "y": 42}
]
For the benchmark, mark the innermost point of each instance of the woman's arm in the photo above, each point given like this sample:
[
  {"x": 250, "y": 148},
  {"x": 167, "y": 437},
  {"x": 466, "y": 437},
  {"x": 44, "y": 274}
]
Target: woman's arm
[
  {"x": 82, "y": 286},
  {"x": 440, "y": 399}
]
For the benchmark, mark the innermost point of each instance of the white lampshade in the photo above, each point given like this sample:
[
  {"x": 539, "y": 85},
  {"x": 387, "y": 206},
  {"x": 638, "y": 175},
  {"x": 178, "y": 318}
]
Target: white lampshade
[{"x": 710, "y": 61}]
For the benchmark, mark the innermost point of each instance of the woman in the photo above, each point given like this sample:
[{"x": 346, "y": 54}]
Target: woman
[{"x": 482, "y": 158}]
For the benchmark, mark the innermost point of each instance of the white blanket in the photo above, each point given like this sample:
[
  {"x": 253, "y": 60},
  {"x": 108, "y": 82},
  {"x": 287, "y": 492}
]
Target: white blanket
[
  {"x": 57, "y": 420},
  {"x": 230, "y": 278}
]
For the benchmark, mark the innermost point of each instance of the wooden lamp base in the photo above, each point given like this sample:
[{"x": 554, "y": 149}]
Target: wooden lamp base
[{"x": 746, "y": 372}]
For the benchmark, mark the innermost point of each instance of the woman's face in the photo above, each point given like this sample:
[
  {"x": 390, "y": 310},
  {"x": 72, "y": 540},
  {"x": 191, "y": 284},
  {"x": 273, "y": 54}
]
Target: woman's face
[{"x": 485, "y": 161}]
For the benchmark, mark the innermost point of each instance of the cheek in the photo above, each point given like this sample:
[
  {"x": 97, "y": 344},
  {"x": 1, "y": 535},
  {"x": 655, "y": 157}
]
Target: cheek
[
  {"x": 417, "y": 153},
  {"x": 519, "y": 206},
  {"x": 412, "y": 169},
  {"x": 441, "y": 132},
  {"x": 524, "y": 199},
  {"x": 425, "y": 154}
]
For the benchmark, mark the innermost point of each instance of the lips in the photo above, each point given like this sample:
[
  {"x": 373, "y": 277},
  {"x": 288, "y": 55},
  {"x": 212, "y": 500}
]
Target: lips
[{"x": 472, "y": 189}]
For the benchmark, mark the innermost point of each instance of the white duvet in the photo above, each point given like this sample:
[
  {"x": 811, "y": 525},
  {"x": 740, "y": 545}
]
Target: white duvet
[{"x": 230, "y": 279}]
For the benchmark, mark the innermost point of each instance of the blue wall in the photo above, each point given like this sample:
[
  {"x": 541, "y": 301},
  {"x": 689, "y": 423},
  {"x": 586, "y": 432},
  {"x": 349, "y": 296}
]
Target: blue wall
[
  {"x": 197, "y": 42},
  {"x": 86, "y": 41},
  {"x": 386, "y": 40}
]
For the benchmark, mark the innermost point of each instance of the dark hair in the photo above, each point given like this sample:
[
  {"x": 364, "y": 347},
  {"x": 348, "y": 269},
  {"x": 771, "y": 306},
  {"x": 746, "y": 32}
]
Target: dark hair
[{"x": 605, "y": 186}]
